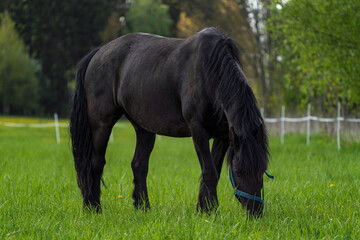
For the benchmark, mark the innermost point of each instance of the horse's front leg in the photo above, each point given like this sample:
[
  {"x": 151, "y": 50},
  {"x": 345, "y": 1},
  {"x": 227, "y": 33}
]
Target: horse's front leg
[
  {"x": 140, "y": 165},
  {"x": 207, "y": 200}
]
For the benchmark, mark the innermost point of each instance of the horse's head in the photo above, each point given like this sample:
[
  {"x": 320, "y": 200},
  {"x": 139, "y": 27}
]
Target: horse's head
[{"x": 247, "y": 158}]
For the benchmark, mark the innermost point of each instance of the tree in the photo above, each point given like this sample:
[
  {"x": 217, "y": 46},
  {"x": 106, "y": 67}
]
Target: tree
[
  {"x": 174, "y": 12},
  {"x": 19, "y": 85},
  {"x": 58, "y": 33},
  {"x": 319, "y": 44},
  {"x": 263, "y": 60},
  {"x": 149, "y": 16},
  {"x": 116, "y": 20}
]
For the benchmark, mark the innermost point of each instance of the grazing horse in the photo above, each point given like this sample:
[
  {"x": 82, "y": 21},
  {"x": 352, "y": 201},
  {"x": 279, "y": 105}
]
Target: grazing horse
[{"x": 192, "y": 87}]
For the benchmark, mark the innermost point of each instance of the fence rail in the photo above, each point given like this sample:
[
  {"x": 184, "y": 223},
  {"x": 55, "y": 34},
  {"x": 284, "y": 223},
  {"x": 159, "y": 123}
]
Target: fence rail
[
  {"x": 313, "y": 118},
  {"x": 56, "y": 124}
]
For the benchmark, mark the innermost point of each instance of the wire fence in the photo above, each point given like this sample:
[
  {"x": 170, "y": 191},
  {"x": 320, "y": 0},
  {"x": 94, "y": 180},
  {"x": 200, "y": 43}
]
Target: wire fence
[{"x": 336, "y": 126}]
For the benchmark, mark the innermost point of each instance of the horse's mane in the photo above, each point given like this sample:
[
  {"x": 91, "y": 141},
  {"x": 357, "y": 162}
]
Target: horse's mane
[{"x": 233, "y": 93}]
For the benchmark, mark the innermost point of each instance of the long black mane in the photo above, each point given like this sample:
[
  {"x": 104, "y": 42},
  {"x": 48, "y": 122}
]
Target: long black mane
[{"x": 234, "y": 95}]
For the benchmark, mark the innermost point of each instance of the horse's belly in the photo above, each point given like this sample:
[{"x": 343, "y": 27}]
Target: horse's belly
[
  {"x": 169, "y": 128},
  {"x": 166, "y": 125},
  {"x": 159, "y": 117}
]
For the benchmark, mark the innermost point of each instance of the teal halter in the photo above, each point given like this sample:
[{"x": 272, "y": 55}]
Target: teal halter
[{"x": 244, "y": 194}]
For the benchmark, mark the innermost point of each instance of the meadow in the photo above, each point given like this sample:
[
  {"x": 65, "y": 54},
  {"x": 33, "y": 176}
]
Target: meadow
[{"x": 315, "y": 193}]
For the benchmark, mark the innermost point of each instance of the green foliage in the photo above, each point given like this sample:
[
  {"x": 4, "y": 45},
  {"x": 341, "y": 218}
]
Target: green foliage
[
  {"x": 19, "y": 83},
  {"x": 319, "y": 42},
  {"x": 149, "y": 16},
  {"x": 315, "y": 193},
  {"x": 58, "y": 33}
]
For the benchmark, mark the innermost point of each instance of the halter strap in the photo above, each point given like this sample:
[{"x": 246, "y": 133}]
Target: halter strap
[
  {"x": 244, "y": 194},
  {"x": 270, "y": 176}
]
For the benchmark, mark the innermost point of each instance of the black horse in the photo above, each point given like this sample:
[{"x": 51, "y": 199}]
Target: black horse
[{"x": 190, "y": 87}]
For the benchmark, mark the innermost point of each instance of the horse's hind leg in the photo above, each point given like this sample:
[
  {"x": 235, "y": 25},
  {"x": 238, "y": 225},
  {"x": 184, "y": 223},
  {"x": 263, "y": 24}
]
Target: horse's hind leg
[
  {"x": 218, "y": 151},
  {"x": 100, "y": 140},
  {"x": 101, "y": 130},
  {"x": 140, "y": 164}
]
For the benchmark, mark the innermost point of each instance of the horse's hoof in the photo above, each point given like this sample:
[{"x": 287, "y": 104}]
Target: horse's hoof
[
  {"x": 208, "y": 207},
  {"x": 93, "y": 208},
  {"x": 143, "y": 206}
]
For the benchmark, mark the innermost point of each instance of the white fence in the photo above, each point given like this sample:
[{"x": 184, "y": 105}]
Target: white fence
[
  {"x": 282, "y": 120},
  {"x": 56, "y": 125},
  {"x": 308, "y": 120}
]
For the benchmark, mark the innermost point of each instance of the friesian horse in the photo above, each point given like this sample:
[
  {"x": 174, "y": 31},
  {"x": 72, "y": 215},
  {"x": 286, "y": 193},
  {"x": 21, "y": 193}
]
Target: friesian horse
[{"x": 192, "y": 87}]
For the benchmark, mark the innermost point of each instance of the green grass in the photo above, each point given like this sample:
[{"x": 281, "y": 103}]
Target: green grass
[{"x": 39, "y": 198}]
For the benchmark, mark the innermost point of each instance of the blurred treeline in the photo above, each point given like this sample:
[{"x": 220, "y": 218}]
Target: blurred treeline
[{"x": 293, "y": 52}]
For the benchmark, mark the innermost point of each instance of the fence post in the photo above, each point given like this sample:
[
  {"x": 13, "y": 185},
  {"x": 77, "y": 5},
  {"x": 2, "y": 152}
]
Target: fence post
[
  {"x": 308, "y": 125},
  {"x": 338, "y": 126},
  {"x": 282, "y": 124},
  {"x": 57, "y": 128}
]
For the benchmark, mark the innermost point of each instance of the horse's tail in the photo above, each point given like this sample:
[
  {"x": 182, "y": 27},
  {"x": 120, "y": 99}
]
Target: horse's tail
[{"x": 80, "y": 129}]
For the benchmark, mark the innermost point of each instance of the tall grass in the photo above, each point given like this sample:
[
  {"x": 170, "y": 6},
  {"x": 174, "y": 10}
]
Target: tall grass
[{"x": 315, "y": 193}]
